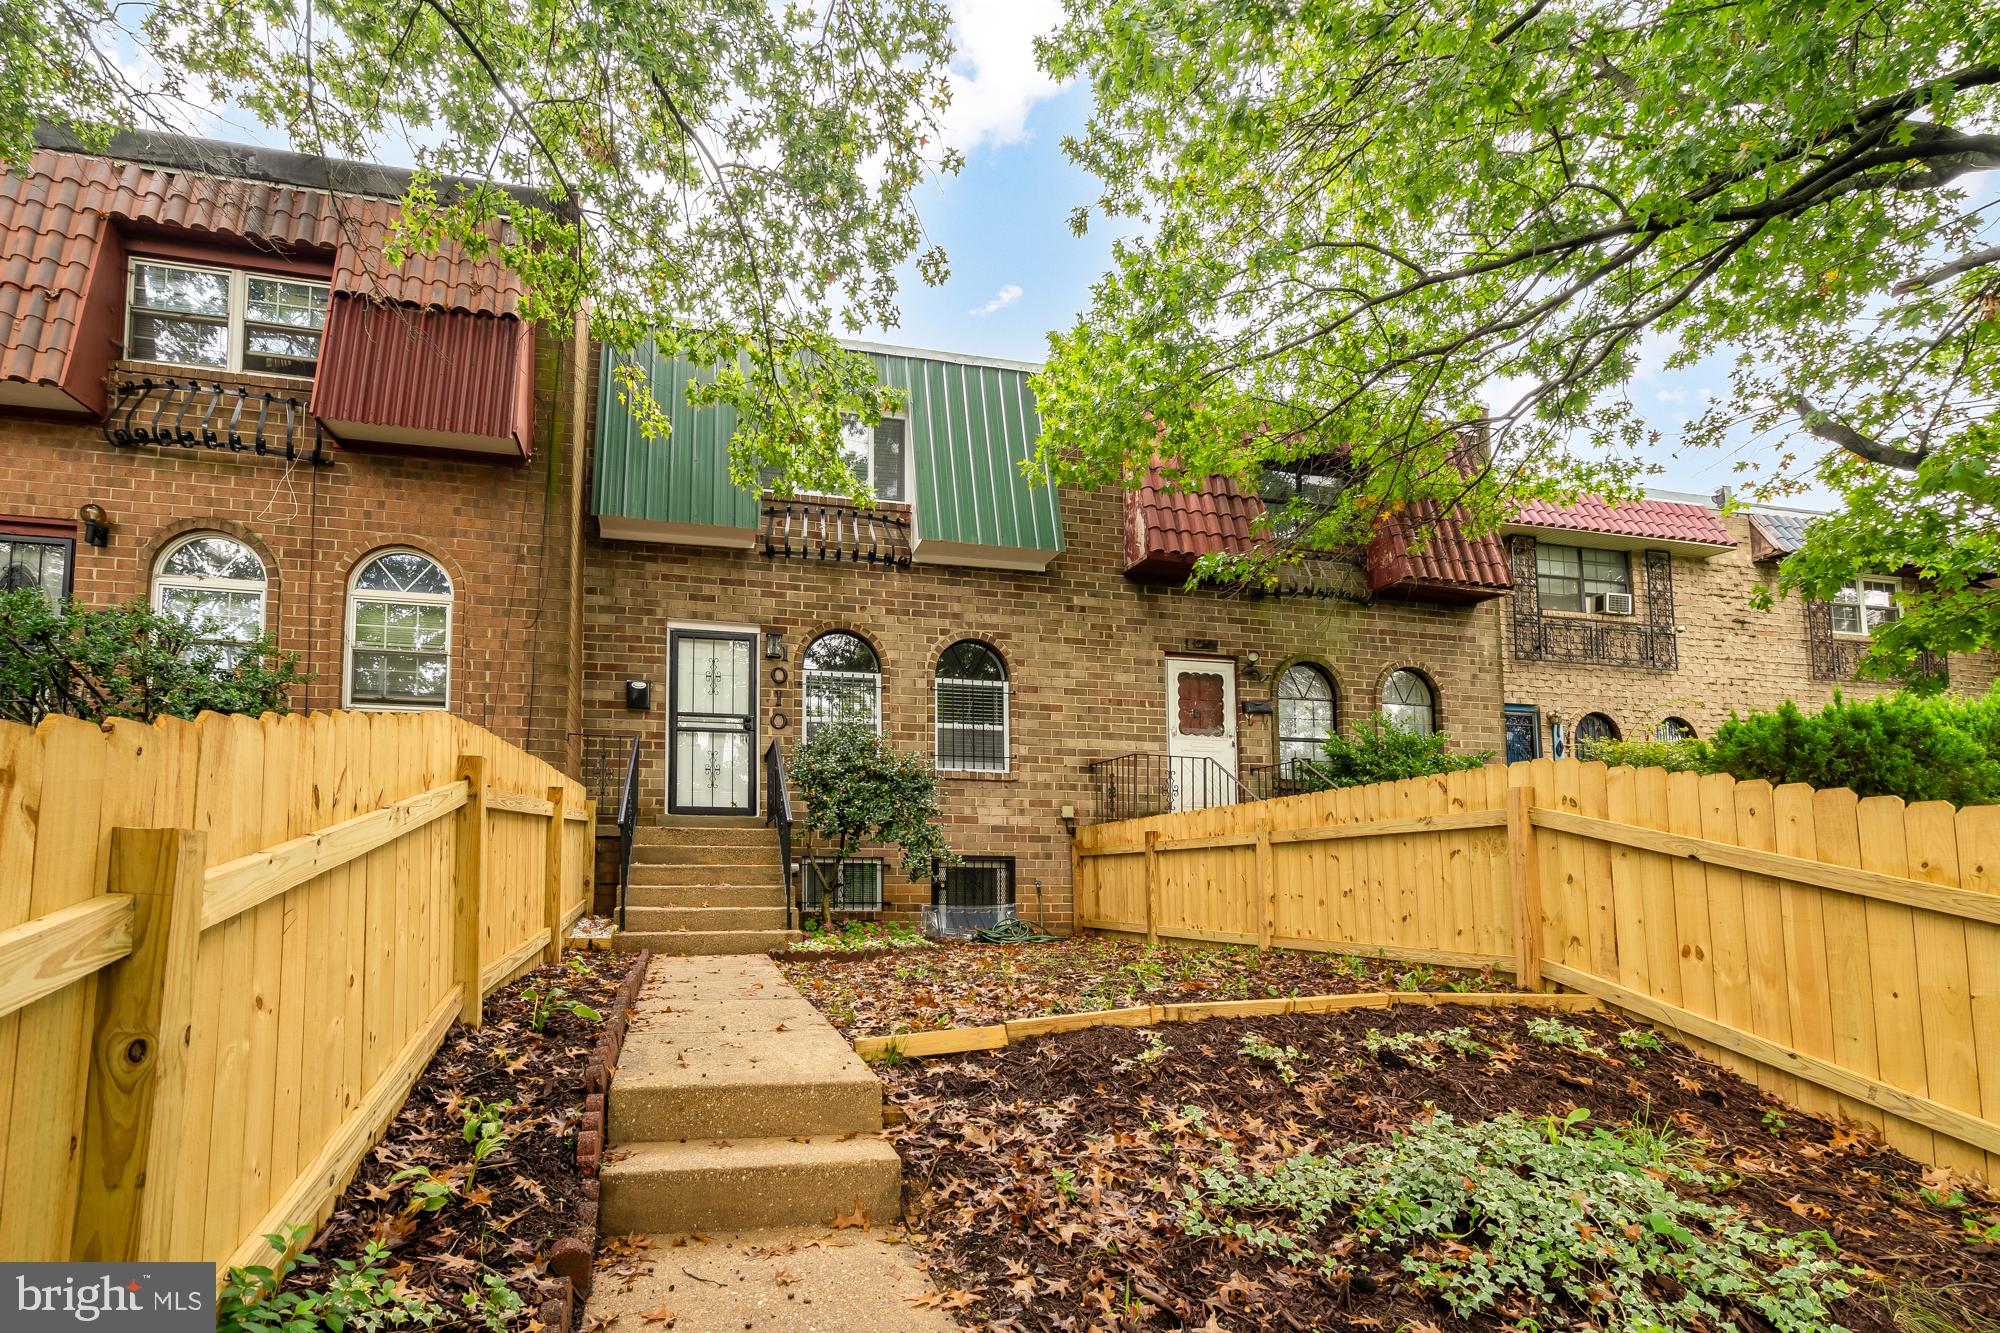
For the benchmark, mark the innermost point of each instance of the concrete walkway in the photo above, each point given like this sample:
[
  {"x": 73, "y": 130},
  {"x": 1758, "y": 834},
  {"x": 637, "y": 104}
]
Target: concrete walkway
[
  {"x": 742, "y": 1126},
  {"x": 771, "y": 1281}
]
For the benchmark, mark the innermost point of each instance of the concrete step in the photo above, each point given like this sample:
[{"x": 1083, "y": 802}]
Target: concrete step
[
  {"x": 702, "y": 942},
  {"x": 705, "y": 854},
  {"x": 736, "y": 1065},
  {"x": 719, "y": 916},
  {"x": 704, "y": 822},
  {"x": 706, "y": 895},
  {"x": 701, "y": 1186},
  {"x": 661, "y": 835},
  {"x": 750, "y": 876}
]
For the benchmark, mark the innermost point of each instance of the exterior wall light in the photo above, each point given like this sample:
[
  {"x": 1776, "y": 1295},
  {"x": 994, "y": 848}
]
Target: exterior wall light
[
  {"x": 774, "y": 646},
  {"x": 638, "y": 695},
  {"x": 96, "y": 527}
]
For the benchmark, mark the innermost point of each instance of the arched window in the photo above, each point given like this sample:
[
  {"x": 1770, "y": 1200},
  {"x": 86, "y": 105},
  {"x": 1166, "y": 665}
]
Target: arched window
[
  {"x": 971, "y": 698},
  {"x": 1305, "y": 717},
  {"x": 399, "y": 632},
  {"x": 1592, "y": 728},
  {"x": 214, "y": 585},
  {"x": 1407, "y": 702},
  {"x": 843, "y": 683},
  {"x": 1674, "y": 729}
]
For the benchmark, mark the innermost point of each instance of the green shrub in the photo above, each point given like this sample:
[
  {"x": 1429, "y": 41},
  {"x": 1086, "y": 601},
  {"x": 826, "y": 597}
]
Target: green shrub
[
  {"x": 1689, "y": 756},
  {"x": 127, "y": 661},
  {"x": 1610, "y": 1228},
  {"x": 1918, "y": 747},
  {"x": 1381, "y": 751}
]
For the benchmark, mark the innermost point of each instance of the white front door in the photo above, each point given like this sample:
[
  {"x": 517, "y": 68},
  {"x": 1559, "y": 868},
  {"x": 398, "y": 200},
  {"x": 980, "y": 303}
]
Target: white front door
[
  {"x": 712, "y": 723},
  {"x": 1201, "y": 732}
]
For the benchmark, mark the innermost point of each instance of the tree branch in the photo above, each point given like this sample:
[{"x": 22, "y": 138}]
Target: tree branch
[
  {"x": 1861, "y": 446},
  {"x": 1946, "y": 272}
]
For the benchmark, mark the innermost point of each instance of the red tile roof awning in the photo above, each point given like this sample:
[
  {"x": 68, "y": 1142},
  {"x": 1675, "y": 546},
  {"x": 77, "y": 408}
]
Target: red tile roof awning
[
  {"x": 435, "y": 379},
  {"x": 1662, "y": 523},
  {"x": 1167, "y": 530},
  {"x": 62, "y": 225}
]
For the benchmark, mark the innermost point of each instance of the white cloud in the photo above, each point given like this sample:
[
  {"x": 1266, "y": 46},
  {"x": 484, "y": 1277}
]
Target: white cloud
[
  {"x": 995, "y": 81},
  {"x": 1003, "y": 298}
]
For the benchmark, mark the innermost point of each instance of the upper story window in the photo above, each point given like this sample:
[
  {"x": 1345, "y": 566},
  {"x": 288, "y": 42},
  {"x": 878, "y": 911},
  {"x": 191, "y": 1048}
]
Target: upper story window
[
  {"x": 843, "y": 683},
  {"x": 1575, "y": 578},
  {"x": 33, "y": 558},
  {"x": 1305, "y": 716},
  {"x": 876, "y": 454},
  {"x": 214, "y": 584},
  {"x": 1866, "y": 604},
  {"x": 1407, "y": 702},
  {"x": 399, "y": 632},
  {"x": 223, "y": 319},
  {"x": 971, "y": 709}
]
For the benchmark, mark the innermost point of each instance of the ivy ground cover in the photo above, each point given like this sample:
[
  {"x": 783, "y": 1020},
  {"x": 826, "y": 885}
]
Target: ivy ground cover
[
  {"x": 970, "y": 985},
  {"x": 1434, "y": 1170}
]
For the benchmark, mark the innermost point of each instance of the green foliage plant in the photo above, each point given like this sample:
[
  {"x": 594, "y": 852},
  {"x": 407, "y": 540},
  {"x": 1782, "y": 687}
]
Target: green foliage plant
[
  {"x": 1919, "y": 747},
  {"x": 1424, "y": 1050},
  {"x": 1382, "y": 751},
  {"x": 1688, "y": 756},
  {"x": 361, "y": 1296},
  {"x": 1491, "y": 1214},
  {"x": 1563, "y": 1035},
  {"x": 855, "y": 788},
  {"x": 1281, "y": 1058},
  {"x": 128, "y": 661},
  {"x": 545, "y": 1003},
  {"x": 485, "y": 1131}
]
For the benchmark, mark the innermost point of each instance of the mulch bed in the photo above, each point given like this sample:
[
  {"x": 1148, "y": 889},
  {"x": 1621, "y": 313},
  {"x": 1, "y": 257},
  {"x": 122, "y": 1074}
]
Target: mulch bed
[
  {"x": 529, "y": 1199},
  {"x": 1101, "y": 1249},
  {"x": 970, "y": 985}
]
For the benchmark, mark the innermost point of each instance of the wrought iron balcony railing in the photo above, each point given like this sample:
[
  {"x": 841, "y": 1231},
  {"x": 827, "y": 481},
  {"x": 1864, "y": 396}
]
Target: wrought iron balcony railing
[
  {"x": 1131, "y": 786},
  {"x": 187, "y": 413}
]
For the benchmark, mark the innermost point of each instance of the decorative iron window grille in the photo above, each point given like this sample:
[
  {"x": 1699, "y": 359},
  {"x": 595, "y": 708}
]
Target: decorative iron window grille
[
  {"x": 1539, "y": 637},
  {"x": 970, "y": 698},
  {"x": 976, "y": 881},
  {"x": 1836, "y": 656},
  {"x": 173, "y": 412},
  {"x": 833, "y": 530},
  {"x": 859, "y": 889}
]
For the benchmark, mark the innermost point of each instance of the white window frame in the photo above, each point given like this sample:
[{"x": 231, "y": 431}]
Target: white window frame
[
  {"x": 236, "y": 328},
  {"x": 1278, "y": 702},
  {"x": 400, "y": 598},
  {"x": 162, "y": 580},
  {"x": 1430, "y": 690},
  {"x": 868, "y": 472},
  {"x": 1006, "y": 727},
  {"x": 1859, "y": 587}
]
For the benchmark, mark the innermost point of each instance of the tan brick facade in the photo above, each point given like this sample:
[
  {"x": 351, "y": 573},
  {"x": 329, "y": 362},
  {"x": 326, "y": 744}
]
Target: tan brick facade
[
  {"x": 1085, "y": 651},
  {"x": 1732, "y": 657},
  {"x": 503, "y": 532}
]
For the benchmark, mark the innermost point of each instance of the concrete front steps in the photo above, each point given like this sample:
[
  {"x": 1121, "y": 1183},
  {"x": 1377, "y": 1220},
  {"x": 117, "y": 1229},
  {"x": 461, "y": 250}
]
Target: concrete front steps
[
  {"x": 704, "y": 886},
  {"x": 735, "y": 1104}
]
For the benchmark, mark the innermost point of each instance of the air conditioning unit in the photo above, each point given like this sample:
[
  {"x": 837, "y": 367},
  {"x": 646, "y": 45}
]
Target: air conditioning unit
[{"x": 1615, "y": 603}]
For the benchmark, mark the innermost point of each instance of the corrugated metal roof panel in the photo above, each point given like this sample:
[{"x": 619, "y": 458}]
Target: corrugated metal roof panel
[
  {"x": 969, "y": 429},
  {"x": 426, "y": 373},
  {"x": 1776, "y": 535},
  {"x": 1650, "y": 520}
]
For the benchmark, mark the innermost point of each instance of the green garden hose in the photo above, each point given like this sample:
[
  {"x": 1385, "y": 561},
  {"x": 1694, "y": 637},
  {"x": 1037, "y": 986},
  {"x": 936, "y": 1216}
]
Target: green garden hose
[{"x": 1012, "y": 931}]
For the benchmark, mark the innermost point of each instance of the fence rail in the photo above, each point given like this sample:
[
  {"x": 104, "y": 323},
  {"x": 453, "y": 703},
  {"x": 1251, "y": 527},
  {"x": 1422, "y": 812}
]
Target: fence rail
[
  {"x": 228, "y": 947},
  {"x": 1843, "y": 953}
]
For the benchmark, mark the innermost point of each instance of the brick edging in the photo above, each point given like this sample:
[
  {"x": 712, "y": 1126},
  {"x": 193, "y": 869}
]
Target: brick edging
[
  {"x": 574, "y": 1256},
  {"x": 846, "y": 955}
]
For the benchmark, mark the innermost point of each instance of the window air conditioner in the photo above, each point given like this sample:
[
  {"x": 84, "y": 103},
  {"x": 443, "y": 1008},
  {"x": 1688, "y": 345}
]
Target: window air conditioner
[{"x": 1615, "y": 603}]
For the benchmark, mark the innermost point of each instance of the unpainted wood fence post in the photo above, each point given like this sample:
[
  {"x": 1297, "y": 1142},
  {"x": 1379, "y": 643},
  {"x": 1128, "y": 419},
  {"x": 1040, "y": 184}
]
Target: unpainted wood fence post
[
  {"x": 1267, "y": 881},
  {"x": 1152, "y": 885},
  {"x": 134, "y": 1098},
  {"x": 552, "y": 873},
  {"x": 468, "y": 888},
  {"x": 1525, "y": 878}
]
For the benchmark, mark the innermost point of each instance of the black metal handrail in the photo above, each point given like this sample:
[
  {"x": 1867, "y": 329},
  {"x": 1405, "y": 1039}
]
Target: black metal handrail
[
  {"x": 778, "y": 814},
  {"x": 1131, "y": 786},
  {"x": 599, "y": 754}
]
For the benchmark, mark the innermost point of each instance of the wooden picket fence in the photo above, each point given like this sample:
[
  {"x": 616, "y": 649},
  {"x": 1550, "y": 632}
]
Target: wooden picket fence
[
  {"x": 1843, "y": 953},
  {"x": 229, "y": 946}
]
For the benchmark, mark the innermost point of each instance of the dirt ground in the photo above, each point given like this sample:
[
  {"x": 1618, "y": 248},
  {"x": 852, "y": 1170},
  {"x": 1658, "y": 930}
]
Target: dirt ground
[
  {"x": 1046, "y": 1178},
  {"x": 968, "y": 985}
]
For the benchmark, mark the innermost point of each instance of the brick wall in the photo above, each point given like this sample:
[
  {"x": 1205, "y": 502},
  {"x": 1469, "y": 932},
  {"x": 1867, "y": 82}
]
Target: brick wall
[
  {"x": 1084, "y": 649},
  {"x": 1731, "y": 656},
  {"x": 502, "y": 531}
]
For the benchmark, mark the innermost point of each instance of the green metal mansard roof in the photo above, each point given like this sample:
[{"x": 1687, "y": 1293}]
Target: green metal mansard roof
[{"x": 971, "y": 424}]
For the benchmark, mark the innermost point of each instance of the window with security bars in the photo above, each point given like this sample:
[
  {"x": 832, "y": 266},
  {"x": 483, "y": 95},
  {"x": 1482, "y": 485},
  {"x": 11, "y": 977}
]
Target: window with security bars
[
  {"x": 976, "y": 881},
  {"x": 971, "y": 690},
  {"x": 33, "y": 560},
  {"x": 1571, "y": 578},
  {"x": 843, "y": 683},
  {"x": 859, "y": 889}
]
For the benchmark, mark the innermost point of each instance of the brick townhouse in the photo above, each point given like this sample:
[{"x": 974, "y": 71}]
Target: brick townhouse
[{"x": 218, "y": 396}]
